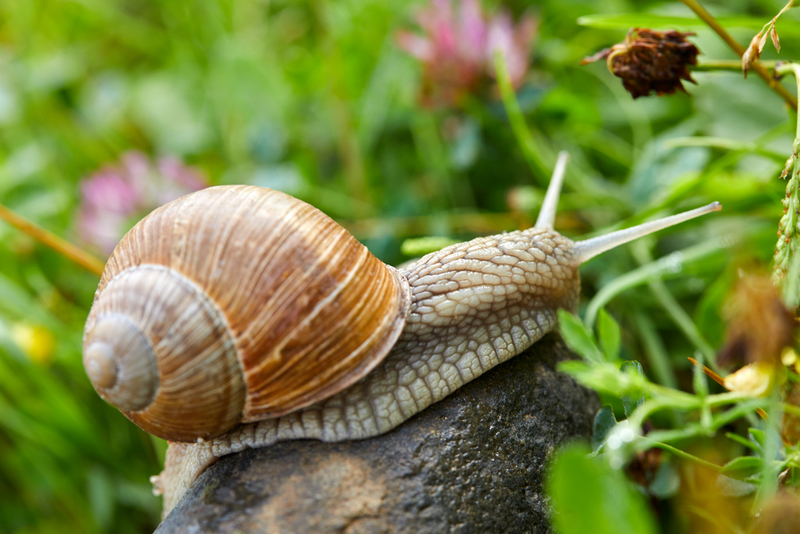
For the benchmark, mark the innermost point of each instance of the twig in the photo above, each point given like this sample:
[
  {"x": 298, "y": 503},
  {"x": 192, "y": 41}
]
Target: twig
[
  {"x": 62, "y": 246},
  {"x": 759, "y": 69}
]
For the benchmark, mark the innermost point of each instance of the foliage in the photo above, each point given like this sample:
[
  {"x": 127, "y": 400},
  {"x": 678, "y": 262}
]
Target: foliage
[
  {"x": 317, "y": 99},
  {"x": 604, "y": 502},
  {"x": 752, "y": 473},
  {"x": 748, "y": 483}
]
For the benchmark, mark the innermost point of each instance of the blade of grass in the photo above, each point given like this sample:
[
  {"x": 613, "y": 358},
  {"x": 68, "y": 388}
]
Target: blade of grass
[
  {"x": 726, "y": 144},
  {"x": 657, "y": 356},
  {"x": 530, "y": 150},
  {"x": 674, "y": 309},
  {"x": 656, "y": 270}
]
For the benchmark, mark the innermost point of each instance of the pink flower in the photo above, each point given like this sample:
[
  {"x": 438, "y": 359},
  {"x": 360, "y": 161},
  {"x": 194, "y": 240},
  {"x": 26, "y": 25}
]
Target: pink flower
[
  {"x": 457, "y": 51},
  {"x": 114, "y": 197}
]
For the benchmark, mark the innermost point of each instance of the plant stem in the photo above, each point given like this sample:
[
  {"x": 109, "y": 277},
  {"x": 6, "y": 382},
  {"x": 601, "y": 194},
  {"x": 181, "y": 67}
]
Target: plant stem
[
  {"x": 726, "y": 65},
  {"x": 529, "y": 148},
  {"x": 786, "y": 247},
  {"x": 62, "y": 246},
  {"x": 706, "y": 17},
  {"x": 790, "y": 288},
  {"x": 769, "y": 474},
  {"x": 792, "y": 68},
  {"x": 759, "y": 69},
  {"x": 681, "y": 454},
  {"x": 431, "y": 151}
]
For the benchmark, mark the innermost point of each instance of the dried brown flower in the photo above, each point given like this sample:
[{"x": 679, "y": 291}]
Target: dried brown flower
[
  {"x": 753, "y": 52},
  {"x": 759, "y": 325},
  {"x": 650, "y": 61}
]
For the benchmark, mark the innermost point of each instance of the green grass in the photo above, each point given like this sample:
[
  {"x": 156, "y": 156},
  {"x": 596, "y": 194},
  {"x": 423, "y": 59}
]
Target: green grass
[{"x": 317, "y": 99}]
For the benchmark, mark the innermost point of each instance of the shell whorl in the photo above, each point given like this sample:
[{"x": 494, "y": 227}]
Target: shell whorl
[
  {"x": 165, "y": 350},
  {"x": 291, "y": 303},
  {"x": 128, "y": 381}
]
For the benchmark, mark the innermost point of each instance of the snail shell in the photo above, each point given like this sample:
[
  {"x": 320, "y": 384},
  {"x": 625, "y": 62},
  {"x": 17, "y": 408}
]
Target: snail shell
[{"x": 237, "y": 304}]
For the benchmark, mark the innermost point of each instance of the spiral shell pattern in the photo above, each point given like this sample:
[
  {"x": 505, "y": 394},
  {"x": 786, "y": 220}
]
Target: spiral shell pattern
[{"x": 237, "y": 304}]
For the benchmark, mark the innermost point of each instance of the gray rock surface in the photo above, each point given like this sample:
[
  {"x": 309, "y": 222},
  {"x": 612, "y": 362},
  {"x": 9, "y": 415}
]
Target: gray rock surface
[{"x": 472, "y": 463}]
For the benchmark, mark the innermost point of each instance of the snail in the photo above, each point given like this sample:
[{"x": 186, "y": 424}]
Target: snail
[{"x": 238, "y": 316}]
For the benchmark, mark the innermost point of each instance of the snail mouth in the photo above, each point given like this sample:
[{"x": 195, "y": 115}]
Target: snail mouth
[{"x": 120, "y": 363}]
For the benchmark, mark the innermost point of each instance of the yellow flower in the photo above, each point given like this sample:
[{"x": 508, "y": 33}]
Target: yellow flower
[
  {"x": 788, "y": 356},
  {"x": 35, "y": 340},
  {"x": 755, "y": 379}
]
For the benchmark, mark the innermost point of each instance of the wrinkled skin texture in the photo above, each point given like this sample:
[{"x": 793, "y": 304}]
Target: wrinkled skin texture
[{"x": 474, "y": 305}]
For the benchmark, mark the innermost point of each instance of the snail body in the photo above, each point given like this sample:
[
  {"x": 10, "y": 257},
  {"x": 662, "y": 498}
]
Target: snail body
[
  {"x": 410, "y": 337},
  {"x": 470, "y": 311}
]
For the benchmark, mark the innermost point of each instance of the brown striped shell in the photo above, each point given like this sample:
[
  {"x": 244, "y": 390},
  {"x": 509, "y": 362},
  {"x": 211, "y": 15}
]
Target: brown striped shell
[{"x": 236, "y": 304}]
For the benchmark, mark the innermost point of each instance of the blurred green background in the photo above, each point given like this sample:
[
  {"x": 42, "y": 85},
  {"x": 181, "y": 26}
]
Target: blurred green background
[{"x": 318, "y": 100}]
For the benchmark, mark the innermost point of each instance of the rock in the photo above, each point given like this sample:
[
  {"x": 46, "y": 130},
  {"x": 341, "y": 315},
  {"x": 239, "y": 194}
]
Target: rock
[{"x": 474, "y": 462}]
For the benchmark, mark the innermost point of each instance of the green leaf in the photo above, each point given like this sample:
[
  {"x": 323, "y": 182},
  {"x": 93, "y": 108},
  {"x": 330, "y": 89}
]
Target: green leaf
[
  {"x": 604, "y": 421},
  {"x": 625, "y": 21},
  {"x": 578, "y": 337},
  {"x": 758, "y": 437},
  {"x": 607, "y": 378},
  {"x": 589, "y": 496},
  {"x": 743, "y": 466},
  {"x": 742, "y": 441},
  {"x": 609, "y": 334},
  {"x": 631, "y": 402}
]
